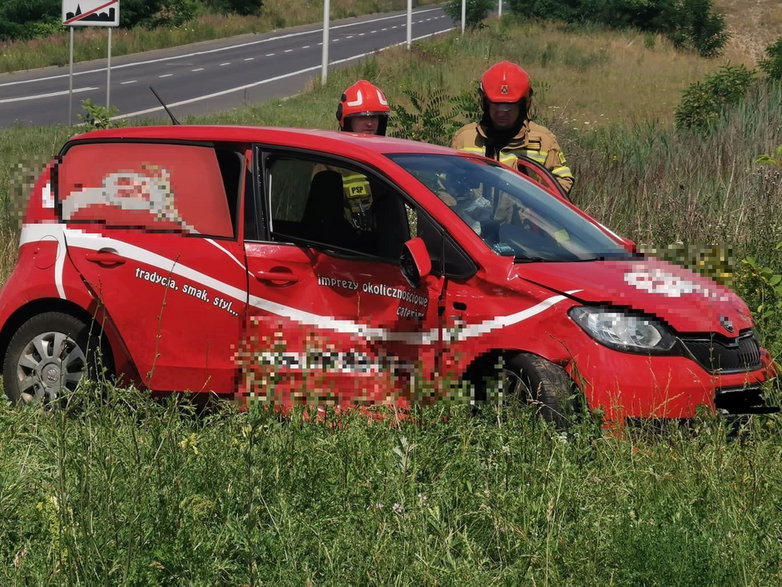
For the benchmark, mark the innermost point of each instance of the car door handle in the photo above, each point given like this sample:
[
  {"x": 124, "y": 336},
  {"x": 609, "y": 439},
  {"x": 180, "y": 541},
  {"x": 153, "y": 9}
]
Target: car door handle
[
  {"x": 105, "y": 257},
  {"x": 278, "y": 277}
]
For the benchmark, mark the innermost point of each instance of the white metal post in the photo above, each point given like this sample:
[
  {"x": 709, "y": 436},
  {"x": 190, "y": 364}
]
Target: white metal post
[
  {"x": 499, "y": 8},
  {"x": 325, "y": 67},
  {"x": 409, "y": 22},
  {"x": 108, "y": 75},
  {"x": 464, "y": 13},
  {"x": 70, "y": 83}
]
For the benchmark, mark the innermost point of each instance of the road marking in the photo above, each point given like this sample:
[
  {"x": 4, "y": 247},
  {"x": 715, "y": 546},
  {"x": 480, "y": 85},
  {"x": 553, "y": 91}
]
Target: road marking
[
  {"x": 132, "y": 81},
  {"x": 249, "y": 58},
  {"x": 269, "y": 55},
  {"x": 288, "y": 50},
  {"x": 49, "y": 95},
  {"x": 224, "y": 64},
  {"x": 197, "y": 69},
  {"x": 166, "y": 75},
  {"x": 272, "y": 79},
  {"x": 306, "y": 47},
  {"x": 220, "y": 49}
]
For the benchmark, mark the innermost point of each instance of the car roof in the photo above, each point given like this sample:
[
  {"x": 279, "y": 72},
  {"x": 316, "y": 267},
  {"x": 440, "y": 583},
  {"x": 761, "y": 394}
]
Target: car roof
[{"x": 292, "y": 137}]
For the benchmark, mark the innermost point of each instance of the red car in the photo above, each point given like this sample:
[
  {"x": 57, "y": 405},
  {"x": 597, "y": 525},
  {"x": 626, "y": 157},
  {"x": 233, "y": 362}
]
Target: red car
[{"x": 296, "y": 265}]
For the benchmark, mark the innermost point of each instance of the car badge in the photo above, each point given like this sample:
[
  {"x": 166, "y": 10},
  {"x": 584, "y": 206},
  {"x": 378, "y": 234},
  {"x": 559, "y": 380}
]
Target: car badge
[
  {"x": 726, "y": 323},
  {"x": 504, "y": 89}
]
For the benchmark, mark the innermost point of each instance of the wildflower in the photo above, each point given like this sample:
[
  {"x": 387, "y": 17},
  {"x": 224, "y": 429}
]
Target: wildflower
[{"x": 398, "y": 509}]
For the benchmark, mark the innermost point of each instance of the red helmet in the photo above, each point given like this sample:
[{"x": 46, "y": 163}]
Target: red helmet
[
  {"x": 363, "y": 99},
  {"x": 505, "y": 82}
]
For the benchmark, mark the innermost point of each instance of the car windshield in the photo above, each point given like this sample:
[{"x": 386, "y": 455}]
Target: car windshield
[{"x": 513, "y": 216}]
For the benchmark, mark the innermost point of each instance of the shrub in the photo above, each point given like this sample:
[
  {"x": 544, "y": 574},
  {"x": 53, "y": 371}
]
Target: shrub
[
  {"x": 96, "y": 117},
  {"x": 690, "y": 24},
  {"x": 476, "y": 11},
  {"x": 703, "y": 102},
  {"x": 772, "y": 66},
  {"x": 433, "y": 118}
]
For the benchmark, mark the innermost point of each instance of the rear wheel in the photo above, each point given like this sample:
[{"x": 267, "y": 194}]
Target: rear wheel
[
  {"x": 534, "y": 380},
  {"x": 48, "y": 356}
]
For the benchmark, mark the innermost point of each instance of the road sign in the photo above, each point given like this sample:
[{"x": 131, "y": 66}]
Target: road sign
[{"x": 90, "y": 12}]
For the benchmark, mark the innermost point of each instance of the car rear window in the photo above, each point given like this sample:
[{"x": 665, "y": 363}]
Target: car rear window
[{"x": 152, "y": 186}]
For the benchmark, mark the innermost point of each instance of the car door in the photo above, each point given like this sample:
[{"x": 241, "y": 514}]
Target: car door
[
  {"x": 151, "y": 230},
  {"x": 331, "y": 318}
]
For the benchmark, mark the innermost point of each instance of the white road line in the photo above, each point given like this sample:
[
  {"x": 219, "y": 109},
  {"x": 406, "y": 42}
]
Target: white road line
[
  {"x": 166, "y": 75},
  {"x": 249, "y": 58},
  {"x": 288, "y": 50},
  {"x": 306, "y": 47},
  {"x": 219, "y": 49},
  {"x": 272, "y": 79},
  {"x": 49, "y": 95},
  {"x": 197, "y": 69},
  {"x": 130, "y": 81},
  {"x": 224, "y": 64},
  {"x": 269, "y": 55}
]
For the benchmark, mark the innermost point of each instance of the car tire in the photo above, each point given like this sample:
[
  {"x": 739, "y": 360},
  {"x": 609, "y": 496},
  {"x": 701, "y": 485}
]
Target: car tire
[
  {"x": 534, "y": 380},
  {"x": 47, "y": 357}
]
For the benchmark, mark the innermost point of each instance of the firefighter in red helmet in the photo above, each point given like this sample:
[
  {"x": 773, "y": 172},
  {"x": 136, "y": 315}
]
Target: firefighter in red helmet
[
  {"x": 363, "y": 108},
  {"x": 505, "y": 130}
]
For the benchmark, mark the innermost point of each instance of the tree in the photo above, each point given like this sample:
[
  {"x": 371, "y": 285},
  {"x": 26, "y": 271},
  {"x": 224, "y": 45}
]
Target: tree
[{"x": 476, "y": 11}]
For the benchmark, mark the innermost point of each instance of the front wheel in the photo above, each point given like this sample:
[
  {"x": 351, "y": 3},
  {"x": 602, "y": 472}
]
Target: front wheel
[
  {"x": 534, "y": 380},
  {"x": 48, "y": 356}
]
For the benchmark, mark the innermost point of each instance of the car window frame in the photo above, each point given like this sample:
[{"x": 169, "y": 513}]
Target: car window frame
[{"x": 234, "y": 210}]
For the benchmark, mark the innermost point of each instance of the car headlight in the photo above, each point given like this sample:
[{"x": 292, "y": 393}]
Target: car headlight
[{"x": 623, "y": 331}]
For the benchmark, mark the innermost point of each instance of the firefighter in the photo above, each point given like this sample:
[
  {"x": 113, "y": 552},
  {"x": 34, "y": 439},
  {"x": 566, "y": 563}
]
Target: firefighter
[
  {"x": 505, "y": 130},
  {"x": 362, "y": 109}
]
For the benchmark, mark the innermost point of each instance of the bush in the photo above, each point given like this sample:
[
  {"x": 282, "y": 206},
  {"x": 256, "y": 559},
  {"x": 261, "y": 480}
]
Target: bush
[
  {"x": 476, "y": 11},
  {"x": 434, "y": 118},
  {"x": 772, "y": 66},
  {"x": 690, "y": 24},
  {"x": 703, "y": 102}
]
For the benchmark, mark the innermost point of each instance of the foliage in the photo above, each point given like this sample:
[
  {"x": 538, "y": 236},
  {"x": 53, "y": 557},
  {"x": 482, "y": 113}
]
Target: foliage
[
  {"x": 475, "y": 11},
  {"x": 97, "y": 117},
  {"x": 762, "y": 289},
  {"x": 241, "y": 7},
  {"x": 775, "y": 159},
  {"x": 26, "y": 19},
  {"x": 691, "y": 24},
  {"x": 434, "y": 117},
  {"x": 19, "y": 19},
  {"x": 703, "y": 102},
  {"x": 772, "y": 66}
]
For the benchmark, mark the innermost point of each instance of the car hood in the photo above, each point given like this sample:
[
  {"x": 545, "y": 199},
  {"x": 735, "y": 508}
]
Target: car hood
[{"x": 687, "y": 301}]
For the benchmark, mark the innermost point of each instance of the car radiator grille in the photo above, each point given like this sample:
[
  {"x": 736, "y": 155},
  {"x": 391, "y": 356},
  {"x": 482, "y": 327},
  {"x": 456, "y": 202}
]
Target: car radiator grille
[{"x": 721, "y": 356}]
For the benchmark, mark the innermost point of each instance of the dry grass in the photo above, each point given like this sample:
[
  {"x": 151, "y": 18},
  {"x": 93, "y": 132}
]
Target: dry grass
[{"x": 753, "y": 24}]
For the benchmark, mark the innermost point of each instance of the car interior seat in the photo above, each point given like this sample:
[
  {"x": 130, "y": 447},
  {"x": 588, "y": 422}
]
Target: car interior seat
[{"x": 324, "y": 215}]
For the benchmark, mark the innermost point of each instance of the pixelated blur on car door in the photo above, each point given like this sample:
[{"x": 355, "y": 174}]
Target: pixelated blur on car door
[{"x": 328, "y": 301}]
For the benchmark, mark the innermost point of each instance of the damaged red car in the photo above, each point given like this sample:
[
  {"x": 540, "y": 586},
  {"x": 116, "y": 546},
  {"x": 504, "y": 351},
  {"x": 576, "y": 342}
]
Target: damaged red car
[{"x": 293, "y": 266}]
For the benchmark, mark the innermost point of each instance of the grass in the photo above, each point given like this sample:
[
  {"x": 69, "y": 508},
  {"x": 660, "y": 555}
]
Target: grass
[
  {"x": 123, "y": 490},
  {"x": 120, "y": 489}
]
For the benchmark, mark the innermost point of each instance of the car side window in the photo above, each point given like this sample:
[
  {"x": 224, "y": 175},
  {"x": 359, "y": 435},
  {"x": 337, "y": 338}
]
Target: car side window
[
  {"x": 336, "y": 207},
  {"x": 192, "y": 189}
]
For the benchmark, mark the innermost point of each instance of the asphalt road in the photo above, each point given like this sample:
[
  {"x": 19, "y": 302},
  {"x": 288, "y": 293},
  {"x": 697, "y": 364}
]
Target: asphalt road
[{"x": 208, "y": 77}]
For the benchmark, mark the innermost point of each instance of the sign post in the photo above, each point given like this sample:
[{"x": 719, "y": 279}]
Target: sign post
[{"x": 89, "y": 13}]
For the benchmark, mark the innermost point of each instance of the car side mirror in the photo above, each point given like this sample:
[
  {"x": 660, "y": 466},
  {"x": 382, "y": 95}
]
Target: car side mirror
[{"x": 415, "y": 261}]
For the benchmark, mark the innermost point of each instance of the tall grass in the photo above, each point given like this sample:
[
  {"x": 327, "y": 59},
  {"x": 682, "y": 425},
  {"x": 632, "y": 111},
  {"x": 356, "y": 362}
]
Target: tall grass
[{"x": 123, "y": 490}]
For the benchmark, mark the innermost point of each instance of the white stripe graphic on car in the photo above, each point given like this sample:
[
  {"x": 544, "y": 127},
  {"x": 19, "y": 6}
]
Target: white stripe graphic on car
[{"x": 80, "y": 239}]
